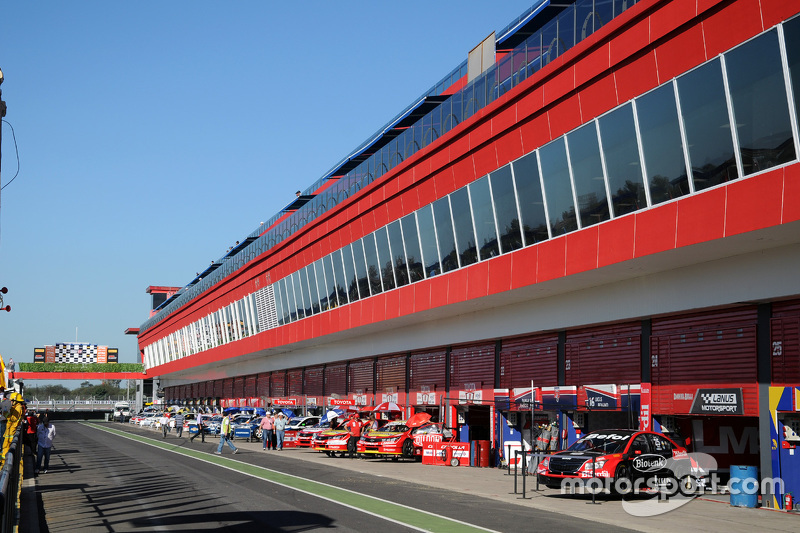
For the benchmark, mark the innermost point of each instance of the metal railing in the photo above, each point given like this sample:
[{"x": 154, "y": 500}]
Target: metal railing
[{"x": 9, "y": 483}]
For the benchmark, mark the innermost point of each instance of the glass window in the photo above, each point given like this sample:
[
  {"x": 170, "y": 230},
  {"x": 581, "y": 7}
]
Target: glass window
[
  {"x": 505, "y": 208},
  {"x": 708, "y": 130},
  {"x": 314, "y": 293},
  {"x": 361, "y": 268},
  {"x": 557, "y": 188},
  {"x": 444, "y": 232},
  {"x": 279, "y": 309},
  {"x": 760, "y": 108},
  {"x": 587, "y": 173},
  {"x": 791, "y": 35},
  {"x": 623, "y": 168},
  {"x": 411, "y": 240},
  {"x": 322, "y": 287},
  {"x": 338, "y": 274},
  {"x": 385, "y": 259},
  {"x": 662, "y": 146},
  {"x": 485, "y": 229},
  {"x": 305, "y": 284},
  {"x": 531, "y": 204},
  {"x": 298, "y": 295},
  {"x": 398, "y": 253},
  {"x": 373, "y": 267},
  {"x": 291, "y": 307},
  {"x": 351, "y": 281},
  {"x": 427, "y": 235},
  {"x": 465, "y": 234},
  {"x": 330, "y": 281}
]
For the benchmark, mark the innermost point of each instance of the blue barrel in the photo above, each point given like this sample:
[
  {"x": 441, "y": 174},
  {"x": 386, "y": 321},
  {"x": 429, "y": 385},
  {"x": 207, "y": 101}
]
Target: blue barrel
[{"x": 744, "y": 486}]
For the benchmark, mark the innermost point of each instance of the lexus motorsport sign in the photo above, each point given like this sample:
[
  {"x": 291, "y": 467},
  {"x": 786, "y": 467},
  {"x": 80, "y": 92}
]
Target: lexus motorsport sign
[{"x": 718, "y": 402}]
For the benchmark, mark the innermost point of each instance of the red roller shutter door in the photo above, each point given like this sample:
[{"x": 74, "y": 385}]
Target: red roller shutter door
[
  {"x": 295, "y": 376},
  {"x": 227, "y": 388},
  {"x": 785, "y": 342},
  {"x": 705, "y": 348},
  {"x": 219, "y": 388},
  {"x": 428, "y": 370},
  {"x": 336, "y": 379},
  {"x": 313, "y": 381},
  {"x": 473, "y": 365},
  {"x": 262, "y": 384},
  {"x": 250, "y": 386},
  {"x": 238, "y": 387},
  {"x": 609, "y": 354},
  {"x": 277, "y": 384},
  {"x": 391, "y": 373},
  {"x": 526, "y": 359},
  {"x": 360, "y": 375}
]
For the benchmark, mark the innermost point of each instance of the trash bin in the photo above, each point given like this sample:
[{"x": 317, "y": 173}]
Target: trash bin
[
  {"x": 744, "y": 486},
  {"x": 485, "y": 451}
]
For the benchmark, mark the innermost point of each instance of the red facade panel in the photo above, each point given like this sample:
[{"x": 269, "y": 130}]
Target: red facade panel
[
  {"x": 473, "y": 365},
  {"x": 277, "y": 384},
  {"x": 360, "y": 375},
  {"x": 529, "y": 359},
  {"x": 391, "y": 373},
  {"x": 609, "y": 354},
  {"x": 428, "y": 369},
  {"x": 336, "y": 379},
  {"x": 313, "y": 381},
  {"x": 295, "y": 379}
]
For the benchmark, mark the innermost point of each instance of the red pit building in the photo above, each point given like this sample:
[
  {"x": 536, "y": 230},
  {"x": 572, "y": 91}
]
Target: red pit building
[{"x": 593, "y": 221}]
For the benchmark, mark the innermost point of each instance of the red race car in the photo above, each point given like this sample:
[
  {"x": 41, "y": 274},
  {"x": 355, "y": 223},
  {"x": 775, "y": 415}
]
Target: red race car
[
  {"x": 624, "y": 460},
  {"x": 305, "y": 435},
  {"x": 404, "y": 438}
]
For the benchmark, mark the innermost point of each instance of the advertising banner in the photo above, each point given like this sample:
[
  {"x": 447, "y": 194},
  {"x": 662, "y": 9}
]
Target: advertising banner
[
  {"x": 113, "y": 355},
  {"x": 645, "y": 414},
  {"x": 284, "y": 401},
  {"x": 50, "y": 354},
  {"x": 718, "y": 402},
  {"x": 102, "y": 354},
  {"x": 38, "y": 355}
]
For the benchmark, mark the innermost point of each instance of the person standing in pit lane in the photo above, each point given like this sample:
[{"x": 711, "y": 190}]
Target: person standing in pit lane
[
  {"x": 267, "y": 428},
  {"x": 280, "y": 429},
  {"x": 179, "y": 420},
  {"x": 200, "y": 429},
  {"x": 224, "y": 435},
  {"x": 354, "y": 427}
]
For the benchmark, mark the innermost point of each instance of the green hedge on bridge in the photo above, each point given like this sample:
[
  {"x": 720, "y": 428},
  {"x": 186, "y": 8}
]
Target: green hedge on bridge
[{"x": 81, "y": 367}]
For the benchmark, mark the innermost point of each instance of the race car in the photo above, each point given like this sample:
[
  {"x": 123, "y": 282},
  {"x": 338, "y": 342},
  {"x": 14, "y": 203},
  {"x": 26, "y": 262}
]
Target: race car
[
  {"x": 333, "y": 440},
  {"x": 305, "y": 435},
  {"x": 404, "y": 438},
  {"x": 626, "y": 460},
  {"x": 294, "y": 426}
]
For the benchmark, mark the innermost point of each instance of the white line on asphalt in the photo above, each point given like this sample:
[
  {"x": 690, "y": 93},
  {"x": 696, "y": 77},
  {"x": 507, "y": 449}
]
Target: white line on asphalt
[{"x": 387, "y": 502}]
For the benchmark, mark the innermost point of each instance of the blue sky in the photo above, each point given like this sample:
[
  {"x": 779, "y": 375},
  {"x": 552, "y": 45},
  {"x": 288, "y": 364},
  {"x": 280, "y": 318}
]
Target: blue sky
[{"x": 153, "y": 135}]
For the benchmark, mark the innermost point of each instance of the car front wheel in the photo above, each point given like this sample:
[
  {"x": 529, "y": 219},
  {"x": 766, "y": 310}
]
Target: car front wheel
[{"x": 408, "y": 449}]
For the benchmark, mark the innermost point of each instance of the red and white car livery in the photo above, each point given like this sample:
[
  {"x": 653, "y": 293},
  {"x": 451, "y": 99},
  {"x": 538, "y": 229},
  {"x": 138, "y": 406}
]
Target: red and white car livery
[
  {"x": 306, "y": 435},
  {"x": 404, "y": 438},
  {"x": 637, "y": 459},
  {"x": 294, "y": 426}
]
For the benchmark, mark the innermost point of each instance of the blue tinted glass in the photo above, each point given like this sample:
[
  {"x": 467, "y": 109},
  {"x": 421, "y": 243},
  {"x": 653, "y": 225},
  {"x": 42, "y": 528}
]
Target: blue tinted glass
[
  {"x": 531, "y": 203},
  {"x": 662, "y": 145},
  {"x": 398, "y": 253},
  {"x": 505, "y": 208},
  {"x": 298, "y": 295},
  {"x": 623, "y": 168},
  {"x": 483, "y": 214},
  {"x": 444, "y": 232},
  {"x": 385, "y": 259},
  {"x": 291, "y": 299},
  {"x": 708, "y": 129},
  {"x": 312, "y": 305},
  {"x": 465, "y": 233},
  {"x": 279, "y": 310},
  {"x": 587, "y": 173},
  {"x": 411, "y": 240},
  {"x": 427, "y": 235},
  {"x": 760, "y": 108},
  {"x": 791, "y": 35},
  {"x": 322, "y": 286},
  {"x": 361, "y": 268},
  {"x": 373, "y": 267},
  {"x": 350, "y": 273},
  {"x": 288, "y": 308},
  {"x": 339, "y": 276},
  {"x": 557, "y": 188}
]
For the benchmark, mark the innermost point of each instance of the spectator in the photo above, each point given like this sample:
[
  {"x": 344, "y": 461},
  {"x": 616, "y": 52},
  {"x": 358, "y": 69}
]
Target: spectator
[
  {"x": 354, "y": 427},
  {"x": 201, "y": 431},
  {"x": 224, "y": 435},
  {"x": 267, "y": 428},
  {"x": 179, "y": 420},
  {"x": 280, "y": 429},
  {"x": 46, "y": 433},
  {"x": 31, "y": 423},
  {"x": 164, "y": 421}
]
